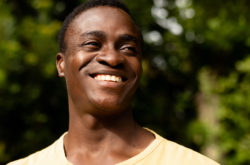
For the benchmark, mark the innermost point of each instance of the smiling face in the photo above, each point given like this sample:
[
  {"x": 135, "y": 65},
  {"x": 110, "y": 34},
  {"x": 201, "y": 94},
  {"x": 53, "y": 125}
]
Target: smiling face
[{"x": 101, "y": 64}]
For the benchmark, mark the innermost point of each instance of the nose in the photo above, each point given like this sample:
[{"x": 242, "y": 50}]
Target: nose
[{"x": 110, "y": 57}]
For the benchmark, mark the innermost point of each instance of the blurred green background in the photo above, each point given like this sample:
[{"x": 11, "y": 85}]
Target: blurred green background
[{"x": 195, "y": 88}]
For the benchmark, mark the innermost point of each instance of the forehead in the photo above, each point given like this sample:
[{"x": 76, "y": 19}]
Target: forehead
[{"x": 103, "y": 18}]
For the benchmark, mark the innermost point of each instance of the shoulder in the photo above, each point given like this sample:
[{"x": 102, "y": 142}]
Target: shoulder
[
  {"x": 31, "y": 159},
  {"x": 184, "y": 155},
  {"x": 173, "y": 153},
  {"x": 50, "y": 154}
]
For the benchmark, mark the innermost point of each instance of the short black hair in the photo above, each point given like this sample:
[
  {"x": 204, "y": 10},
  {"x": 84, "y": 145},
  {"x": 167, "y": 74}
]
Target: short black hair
[{"x": 83, "y": 7}]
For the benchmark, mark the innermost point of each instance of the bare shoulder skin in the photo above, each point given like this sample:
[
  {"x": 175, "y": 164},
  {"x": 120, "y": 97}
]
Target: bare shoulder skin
[{"x": 102, "y": 68}]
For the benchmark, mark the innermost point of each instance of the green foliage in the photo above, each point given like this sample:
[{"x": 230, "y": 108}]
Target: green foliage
[
  {"x": 234, "y": 112},
  {"x": 196, "y": 55}
]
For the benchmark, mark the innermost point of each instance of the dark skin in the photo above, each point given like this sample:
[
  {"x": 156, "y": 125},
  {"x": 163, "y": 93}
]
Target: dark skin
[{"x": 102, "y": 68}]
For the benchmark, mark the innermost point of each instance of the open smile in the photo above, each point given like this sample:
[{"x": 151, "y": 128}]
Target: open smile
[
  {"x": 104, "y": 77},
  {"x": 109, "y": 77}
]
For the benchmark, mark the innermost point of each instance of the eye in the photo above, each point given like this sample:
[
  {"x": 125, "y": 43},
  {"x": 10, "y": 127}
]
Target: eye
[
  {"x": 129, "y": 49},
  {"x": 91, "y": 45}
]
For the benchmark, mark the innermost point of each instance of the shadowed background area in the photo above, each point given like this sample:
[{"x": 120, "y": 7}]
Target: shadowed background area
[{"x": 195, "y": 88}]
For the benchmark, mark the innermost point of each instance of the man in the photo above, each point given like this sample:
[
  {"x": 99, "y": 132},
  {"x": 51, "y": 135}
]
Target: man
[{"x": 100, "y": 59}]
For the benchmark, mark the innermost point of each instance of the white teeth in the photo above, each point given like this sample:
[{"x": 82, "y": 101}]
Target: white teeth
[{"x": 108, "y": 78}]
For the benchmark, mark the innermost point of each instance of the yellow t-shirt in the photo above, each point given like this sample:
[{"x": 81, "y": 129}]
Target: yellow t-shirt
[{"x": 159, "y": 152}]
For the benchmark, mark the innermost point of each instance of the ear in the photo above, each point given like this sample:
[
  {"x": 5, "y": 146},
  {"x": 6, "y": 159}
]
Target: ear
[{"x": 60, "y": 64}]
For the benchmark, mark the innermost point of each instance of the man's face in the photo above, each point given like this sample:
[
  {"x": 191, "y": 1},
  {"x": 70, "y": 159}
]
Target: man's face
[{"x": 101, "y": 63}]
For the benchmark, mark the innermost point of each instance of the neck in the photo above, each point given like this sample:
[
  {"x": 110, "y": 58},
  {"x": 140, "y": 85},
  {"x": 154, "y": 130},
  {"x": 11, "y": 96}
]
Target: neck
[
  {"x": 94, "y": 130},
  {"x": 93, "y": 133},
  {"x": 114, "y": 138}
]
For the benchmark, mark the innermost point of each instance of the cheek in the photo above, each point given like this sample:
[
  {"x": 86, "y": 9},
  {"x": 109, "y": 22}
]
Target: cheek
[
  {"x": 136, "y": 66},
  {"x": 73, "y": 63},
  {"x": 77, "y": 60}
]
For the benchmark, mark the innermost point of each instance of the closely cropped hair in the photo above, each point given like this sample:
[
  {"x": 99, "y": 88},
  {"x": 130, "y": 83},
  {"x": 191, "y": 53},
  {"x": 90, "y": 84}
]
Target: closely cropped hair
[{"x": 83, "y": 7}]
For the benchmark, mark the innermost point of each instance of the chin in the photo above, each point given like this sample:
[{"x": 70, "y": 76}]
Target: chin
[{"x": 111, "y": 107}]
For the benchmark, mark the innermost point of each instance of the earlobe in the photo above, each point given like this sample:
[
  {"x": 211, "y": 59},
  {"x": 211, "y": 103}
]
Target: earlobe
[{"x": 60, "y": 64}]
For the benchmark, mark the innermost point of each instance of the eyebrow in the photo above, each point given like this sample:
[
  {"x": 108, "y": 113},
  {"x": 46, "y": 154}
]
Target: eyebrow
[
  {"x": 101, "y": 34},
  {"x": 127, "y": 37}
]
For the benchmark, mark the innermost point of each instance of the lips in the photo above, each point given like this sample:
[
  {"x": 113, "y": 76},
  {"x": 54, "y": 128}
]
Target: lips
[
  {"x": 109, "y": 76},
  {"x": 104, "y": 77}
]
